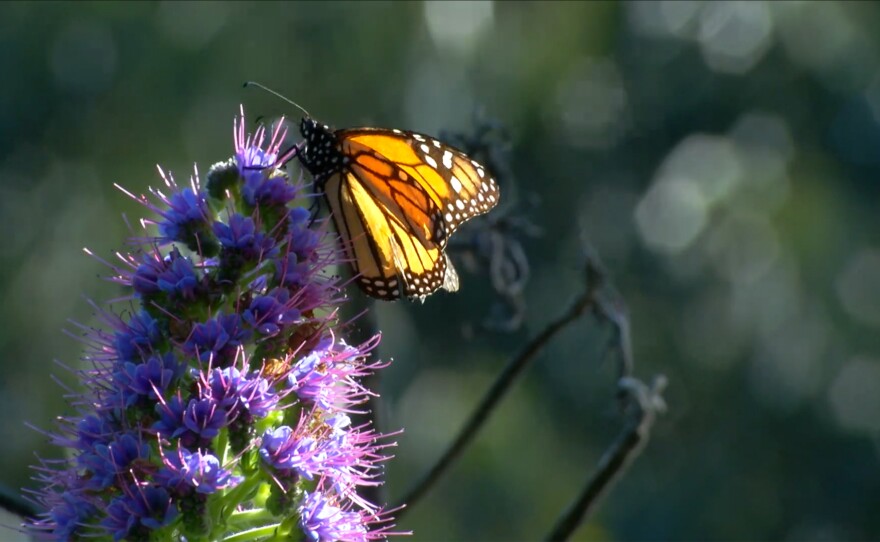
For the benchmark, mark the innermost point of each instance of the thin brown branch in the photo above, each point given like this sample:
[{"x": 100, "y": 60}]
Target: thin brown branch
[
  {"x": 500, "y": 387},
  {"x": 647, "y": 402},
  {"x": 641, "y": 403},
  {"x": 610, "y": 307}
]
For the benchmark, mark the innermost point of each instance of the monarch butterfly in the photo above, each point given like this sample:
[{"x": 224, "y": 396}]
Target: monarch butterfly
[{"x": 396, "y": 197}]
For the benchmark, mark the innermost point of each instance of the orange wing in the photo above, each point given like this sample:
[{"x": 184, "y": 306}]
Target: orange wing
[
  {"x": 459, "y": 186},
  {"x": 396, "y": 197}
]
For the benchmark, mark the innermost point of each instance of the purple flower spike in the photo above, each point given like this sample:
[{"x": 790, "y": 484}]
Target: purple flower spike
[
  {"x": 292, "y": 272},
  {"x": 140, "y": 336},
  {"x": 312, "y": 379},
  {"x": 154, "y": 506},
  {"x": 179, "y": 277},
  {"x": 256, "y": 165},
  {"x": 229, "y": 333},
  {"x": 142, "y": 508},
  {"x": 250, "y": 154},
  {"x": 171, "y": 412},
  {"x": 119, "y": 520},
  {"x": 186, "y": 215},
  {"x": 283, "y": 449},
  {"x": 241, "y": 238},
  {"x": 73, "y": 511},
  {"x": 93, "y": 430},
  {"x": 145, "y": 279},
  {"x": 271, "y": 191},
  {"x": 224, "y": 387},
  {"x": 268, "y": 314},
  {"x": 235, "y": 393},
  {"x": 200, "y": 471},
  {"x": 304, "y": 241},
  {"x": 217, "y": 339},
  {"x": 146, "y": 381},
  {"x": 327, "y": 376},
  {"x": 324, "y": 520},
  {"x": 204, "y": 418},
  {"x": 105, "y": 463},
  {"x": 258, "y": 397}
]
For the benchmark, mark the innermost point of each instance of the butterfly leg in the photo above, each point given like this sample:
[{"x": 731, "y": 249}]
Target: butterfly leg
[{"x": 314, "y": 208}]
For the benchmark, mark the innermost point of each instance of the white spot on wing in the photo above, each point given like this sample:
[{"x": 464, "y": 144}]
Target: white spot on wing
[
  {"x": 431, "y": 162},
  {"x": 456, "y": 184},
  {"x": 447, "y": 160}
]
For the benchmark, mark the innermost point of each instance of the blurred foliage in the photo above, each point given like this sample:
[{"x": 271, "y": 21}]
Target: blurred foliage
[{"x": 722, "y": 157}]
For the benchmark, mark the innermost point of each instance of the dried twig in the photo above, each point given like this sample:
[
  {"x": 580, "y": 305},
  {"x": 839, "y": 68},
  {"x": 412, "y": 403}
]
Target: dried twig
[
  {"x": 501, "y": 385},
  {"x": 494, "y": 245},
  {"x": 639, "y": 401},
  {"x": 648, "y": 403}
]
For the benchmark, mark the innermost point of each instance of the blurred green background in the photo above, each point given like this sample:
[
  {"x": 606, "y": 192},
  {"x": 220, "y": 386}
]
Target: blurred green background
[{"x": 722, "y": 157}]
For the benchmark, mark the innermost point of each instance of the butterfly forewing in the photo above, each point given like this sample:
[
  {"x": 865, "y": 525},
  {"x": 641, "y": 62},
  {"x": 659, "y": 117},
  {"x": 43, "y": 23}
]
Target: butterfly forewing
[
  {"x": 471, "y": 191},
  {"x": 459, "y": 185}
]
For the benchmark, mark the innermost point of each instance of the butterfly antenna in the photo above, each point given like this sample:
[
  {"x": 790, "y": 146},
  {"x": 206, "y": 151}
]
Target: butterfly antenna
[{"x": 278, "y": 95}]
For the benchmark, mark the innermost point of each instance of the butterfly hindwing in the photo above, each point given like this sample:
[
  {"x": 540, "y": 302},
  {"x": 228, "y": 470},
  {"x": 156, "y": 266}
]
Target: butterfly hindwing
[{"x": 390, "y": 260}]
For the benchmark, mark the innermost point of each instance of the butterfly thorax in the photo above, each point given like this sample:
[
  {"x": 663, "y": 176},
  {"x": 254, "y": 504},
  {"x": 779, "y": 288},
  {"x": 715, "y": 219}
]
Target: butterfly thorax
[{"x": 322, "y": 154}]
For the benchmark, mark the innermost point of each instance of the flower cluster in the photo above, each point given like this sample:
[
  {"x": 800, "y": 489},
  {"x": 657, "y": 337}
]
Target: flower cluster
[{"x": 217, "y": 405}]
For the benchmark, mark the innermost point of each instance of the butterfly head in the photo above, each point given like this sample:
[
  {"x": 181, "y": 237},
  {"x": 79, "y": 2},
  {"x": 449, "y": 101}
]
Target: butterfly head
[{"x": 322, "y": 154}]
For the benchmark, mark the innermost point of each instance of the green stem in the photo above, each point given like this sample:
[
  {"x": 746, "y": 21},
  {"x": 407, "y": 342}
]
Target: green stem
[
  {"x": 244, "y": 517},
  {"x": 219, "y": 507},
  {"x": 253, "y": 534},
  {"x": 221, "y": 446}
]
